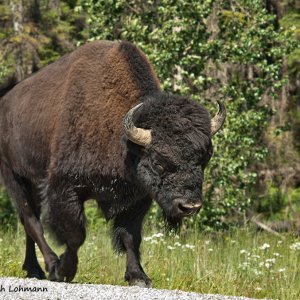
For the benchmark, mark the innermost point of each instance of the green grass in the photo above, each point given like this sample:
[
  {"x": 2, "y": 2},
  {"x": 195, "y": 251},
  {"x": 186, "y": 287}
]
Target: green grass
[{"x": 231, "y": 263}]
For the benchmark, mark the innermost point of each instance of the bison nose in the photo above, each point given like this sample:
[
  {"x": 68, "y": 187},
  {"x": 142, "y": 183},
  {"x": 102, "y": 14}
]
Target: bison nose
[{"x": 187, "y": 208}]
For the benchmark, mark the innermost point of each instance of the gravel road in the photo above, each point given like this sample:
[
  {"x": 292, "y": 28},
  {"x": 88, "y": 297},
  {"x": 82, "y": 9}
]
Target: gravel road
[{"x": 15, "y": 288}]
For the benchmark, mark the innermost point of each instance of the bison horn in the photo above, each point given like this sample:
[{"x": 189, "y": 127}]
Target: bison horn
[
  {"x": 137, "y": 135},
  {"x": 218, "y": 120}
]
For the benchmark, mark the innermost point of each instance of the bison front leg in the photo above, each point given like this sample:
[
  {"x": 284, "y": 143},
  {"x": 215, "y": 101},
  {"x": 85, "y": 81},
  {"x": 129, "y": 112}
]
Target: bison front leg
[{"x": 127, "y": 238}]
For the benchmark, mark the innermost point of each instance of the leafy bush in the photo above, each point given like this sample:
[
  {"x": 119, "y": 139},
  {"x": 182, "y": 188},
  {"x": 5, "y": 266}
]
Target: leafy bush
[
  {"x": 7, "y": 213},
  {"x": 278, "y": 204}
]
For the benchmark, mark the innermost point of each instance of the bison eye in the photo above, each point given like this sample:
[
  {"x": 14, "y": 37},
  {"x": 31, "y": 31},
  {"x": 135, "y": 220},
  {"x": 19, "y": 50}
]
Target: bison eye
[{"x": 160, "y": 169}]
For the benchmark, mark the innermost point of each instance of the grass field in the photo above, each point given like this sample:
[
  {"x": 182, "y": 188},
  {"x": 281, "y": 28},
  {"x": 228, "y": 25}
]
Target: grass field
[{"x": 241, "y": 262}]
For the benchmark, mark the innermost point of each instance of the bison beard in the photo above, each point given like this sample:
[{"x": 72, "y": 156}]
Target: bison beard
[{"x": 96, "y": 125}]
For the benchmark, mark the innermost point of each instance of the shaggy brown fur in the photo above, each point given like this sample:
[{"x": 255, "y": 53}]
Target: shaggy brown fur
[{"x": 62, "y": 101}]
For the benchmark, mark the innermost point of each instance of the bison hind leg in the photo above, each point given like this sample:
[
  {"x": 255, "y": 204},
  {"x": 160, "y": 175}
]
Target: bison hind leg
[
  {"x": 66, "y": 219},
  {"x": 22, "y": 192}
]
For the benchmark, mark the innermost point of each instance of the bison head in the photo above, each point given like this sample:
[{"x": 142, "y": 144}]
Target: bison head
[{"x": 169, "y": 145}]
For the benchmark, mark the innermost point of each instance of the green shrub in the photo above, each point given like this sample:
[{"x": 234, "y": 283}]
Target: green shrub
[
  {"x": 279, "y": 204},
  {"x": 7, "y": 213}
]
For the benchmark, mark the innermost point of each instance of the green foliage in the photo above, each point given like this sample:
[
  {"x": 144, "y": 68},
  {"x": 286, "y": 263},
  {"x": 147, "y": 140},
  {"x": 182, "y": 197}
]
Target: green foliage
[
  {"x": 291, "y": 21},
  {"x": 204, "y": 49},
  {"x": 47, "y": 35},
  {"x": 7, "y": 214},
  {"x": 278, "y": 204},
  {"x": 94, "y": 215},
  {"x": 274, "y": 202}
]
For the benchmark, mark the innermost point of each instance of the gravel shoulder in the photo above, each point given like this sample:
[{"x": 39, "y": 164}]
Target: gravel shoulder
[{"x": 31, "y": 289}]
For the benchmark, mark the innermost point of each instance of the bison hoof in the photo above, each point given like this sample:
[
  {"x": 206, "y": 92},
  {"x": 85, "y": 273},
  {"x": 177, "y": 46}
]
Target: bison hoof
[
  {"x": 39, "y": 274},
  {"x": 34, "y": 272},
  {"x": 55, "y": 274},
  {"x": 138, "y": 278},
  {"x": 140, "y": 283},
  {"x": 64, "y": 269}
]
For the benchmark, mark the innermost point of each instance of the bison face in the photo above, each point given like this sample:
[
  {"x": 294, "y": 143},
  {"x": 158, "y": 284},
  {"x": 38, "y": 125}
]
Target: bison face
[
  {"x": 169, "y": 141},
  {"x": 173, "y": 175}
]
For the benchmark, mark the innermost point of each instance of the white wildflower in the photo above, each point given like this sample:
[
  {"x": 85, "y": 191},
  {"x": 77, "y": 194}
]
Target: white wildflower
[
  {"x": 281, "y": 270},
  {"x": 244, "y": 265},
  {"x": 154, "y": 242},
  {"x": 258, "y": 288},
  {"x": 147, "y": 238},
  {"x": 170, "y": 247},
  {"x": 295, "y": 246},
  {"x": 189, "y": 246},
  {"x": 206, "y": 242},
  {"x": 177, "y": 244},
  {"x": 257, "y": 272},
  {"x": 233, "y": 241},
  {"x": 243, "y": 251},
  {"x": 277, "y": 254},
  {"x": 210, "y": 249},
  {"x": 157, "y": 235},
  {"x": 264, "y": 246}
]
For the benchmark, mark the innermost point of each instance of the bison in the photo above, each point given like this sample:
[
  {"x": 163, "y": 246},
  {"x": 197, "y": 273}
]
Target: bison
[{"x": 96, "y": 125}]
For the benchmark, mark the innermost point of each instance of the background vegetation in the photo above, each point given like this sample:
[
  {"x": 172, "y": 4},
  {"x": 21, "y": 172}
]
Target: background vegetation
[{"x": 244, "y": 52}]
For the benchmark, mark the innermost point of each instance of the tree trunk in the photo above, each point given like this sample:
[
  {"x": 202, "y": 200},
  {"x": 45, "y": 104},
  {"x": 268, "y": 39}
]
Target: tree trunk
[
  {"x": 54, "y": 5},
  {"x": 17, "y": 12}
]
